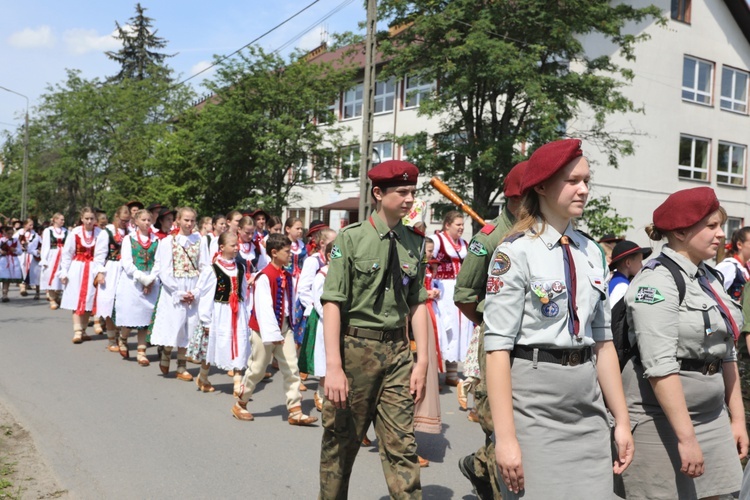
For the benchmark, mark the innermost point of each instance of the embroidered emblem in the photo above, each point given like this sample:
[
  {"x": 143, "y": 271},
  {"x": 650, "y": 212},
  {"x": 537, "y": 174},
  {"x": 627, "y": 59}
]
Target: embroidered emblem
[
  {"x": 335, "y": 252},
  {"x": 477, "y": 248},
  {"x": 405, "y": 266},
  {"x": 501, "y": 265},
  {"x": 648, "y": 295},
  {"x": 540, "y": 293},
  {"x": 406, "y": 176},
  {"x": 557, "y": 287},
  {"x": 550, "y": 310},
  {"x": 494, "y": 285},
  {"x": 547, "y": 286},
  {"x": 405, "y": 281}
]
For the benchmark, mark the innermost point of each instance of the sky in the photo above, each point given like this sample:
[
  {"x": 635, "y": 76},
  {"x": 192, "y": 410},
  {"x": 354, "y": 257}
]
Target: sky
[{"x": 40, "y": 39}]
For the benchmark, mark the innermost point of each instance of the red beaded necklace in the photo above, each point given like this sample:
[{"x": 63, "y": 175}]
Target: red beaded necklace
[
  {"x": 148, "y": 243},
  {"x": 86, "y": 240},
  {"x": 456, "y": 245},
  {"x": 226, "y": 264}
]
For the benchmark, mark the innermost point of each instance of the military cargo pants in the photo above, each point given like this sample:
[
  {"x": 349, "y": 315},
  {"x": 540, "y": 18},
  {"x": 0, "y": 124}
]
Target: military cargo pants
[{"x": 378, "y": 375}]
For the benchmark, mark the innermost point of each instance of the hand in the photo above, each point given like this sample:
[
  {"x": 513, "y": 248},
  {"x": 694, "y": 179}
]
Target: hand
[
  {"x": 418, "y": 381},
  {"x": 146, "y": 290},
  {"x": 188, "y": 298},
  {"x": 739, "y": 431},
  {"x": 508, "y": 457},
  {"x": 99, "y": 280},
  {"x": 433, "y": 294},
  {"x": 205, "y": 332},
  {"x": 691, "y": 457},
  {"x": 64, "y": 281},
  {"x": 337, "y": 387},
  {"x": 625, "y": 448}
]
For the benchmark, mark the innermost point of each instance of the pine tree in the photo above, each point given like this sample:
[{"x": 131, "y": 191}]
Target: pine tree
[{"x": 138, "y": 56}]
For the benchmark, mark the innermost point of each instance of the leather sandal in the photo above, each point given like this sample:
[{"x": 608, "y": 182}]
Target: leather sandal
[
  {"x": 164, "y": 362},
  {"x": 473, "y": 416},
  {"x": 123, "y": 348},
  {"x": 98, "y": 328},
  {"x": 318, "y": 401},
  {"x": 230, "y": 373},
  {"x": 141, "y": 357},
  {"x": 303, "y": 376},
  {"x": 239, "y": 411},
  {"x": 296, "y": 417},
  {"x": 423, "y": 462},
  {"x": 463, "y": 399},
  {"x": 85, "y": 337},
  {"x": 267, "y": 376},
  {"x": 302, "y": 387},
  {"x": 77, "y": 337},
  {"x": 53, "y": 305},
  {"x": 204, "y": 386},
  {"x": 452, "y": 382}
]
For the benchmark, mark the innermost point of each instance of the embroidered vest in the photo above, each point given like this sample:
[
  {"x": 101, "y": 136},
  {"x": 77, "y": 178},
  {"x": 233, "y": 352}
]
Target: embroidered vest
[
  {"x": 185, "y": 260},
  {"x": 114, "y": 247},
  {"x": 278, "y": 294},
  {"x": 295, "y": 266},
  {"x": 448, "y": 266},
  {"x": 54, "y": 241},
  {"x": 143, "y": 258},
  {"x": 83, "y": 253},
  {"x": 224, "y": 283}
]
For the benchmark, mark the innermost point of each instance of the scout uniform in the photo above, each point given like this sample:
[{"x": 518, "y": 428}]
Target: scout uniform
[
  {"x": 692, "y": 338},
  {"x": 471, "y": 287},
  {"x": 375, "y": 301},
  {"x": 557, "y": 283}
]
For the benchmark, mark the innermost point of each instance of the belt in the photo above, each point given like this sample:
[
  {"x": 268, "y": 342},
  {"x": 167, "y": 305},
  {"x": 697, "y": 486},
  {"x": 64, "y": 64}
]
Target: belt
[
  {"x": 700, "y": 365},
  {"x": 379, "y": 335},
  {"x": 565, "y": 357}
]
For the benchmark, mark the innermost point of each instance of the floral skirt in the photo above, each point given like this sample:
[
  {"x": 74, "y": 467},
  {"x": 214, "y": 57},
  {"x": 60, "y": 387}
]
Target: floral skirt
[{"x": 198, "y": 345}]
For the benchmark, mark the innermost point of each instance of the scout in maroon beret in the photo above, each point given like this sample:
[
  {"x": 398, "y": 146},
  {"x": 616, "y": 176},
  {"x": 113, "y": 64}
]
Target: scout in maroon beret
[
  {"x": 549, "y": 159},
  {"x": 685, "y": 208},
  {"x": 513, "y": 181},
  {"x": 393, "y": 173}
]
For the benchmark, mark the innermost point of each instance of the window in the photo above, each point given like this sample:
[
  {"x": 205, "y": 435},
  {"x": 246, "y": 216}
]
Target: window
[
  {"x": 320, "y": 214},
  {"x": 385, "y": 95},
  {"x": 353, "y": 102},
  {"x": 297, "y": 213},
  {"x": 322, "y": 168},
  {"x": 734, "y": 90},
  {"x": 331, "y": 115},
  {"x": 416, "y": 90},
  {"x": 299, "y": 174},
  {"x": 693, "y": 158},
  {"x": 383, "y": 151},
  {"x": 681, "y": 10},
  {"x": 731, "y": 225},
  {"x": 350, "y": 163},
  {"x": 697, "y": 80},
  {"x": 730, "y": 169}
]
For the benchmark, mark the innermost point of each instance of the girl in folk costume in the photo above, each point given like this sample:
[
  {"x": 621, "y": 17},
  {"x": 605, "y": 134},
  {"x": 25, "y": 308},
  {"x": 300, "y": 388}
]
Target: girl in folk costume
[
  {"x": 138, "y": 287},
  {"x": 205, "y": 226},
  {"x": 319, "y": 351},
  {"x": 274, "y": 227},
  {"x": 218, "y": 226},
  {"x": 247, "y": 251},
  {"x": 223, "y": 315},
  {"x": 31, "y": 257},
  {"x": 293, "y": 230},
  {"x": 178, "y": 262},
  {"x": 10, "y": 267},
  {"x": 211, "y": 242},
  {"x": 115, "y": 234},
  {"x": 134, "y": 206},
  {"x": 80, "y": 270},
  {"x": 735, "y": 267},
  {"x": 450, "y": 250},
  {"x": 53, "y": 240},
  {"x": 164, "y": 223}
]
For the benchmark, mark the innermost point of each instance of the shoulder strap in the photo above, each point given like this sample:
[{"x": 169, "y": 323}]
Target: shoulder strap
[
  {"x": 718, "y": 274},
  {"x": 487, "y": 229},
  {"x": 676, "y": 272}
]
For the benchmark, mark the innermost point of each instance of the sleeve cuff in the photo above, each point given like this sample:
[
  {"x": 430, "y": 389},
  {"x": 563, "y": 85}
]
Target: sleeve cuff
[
  {"x": 333, "y": 297},
  {"x": 601, "y": 334},
  {"x": 494, "y": 342},
  {"x": 662, "y": 370}
]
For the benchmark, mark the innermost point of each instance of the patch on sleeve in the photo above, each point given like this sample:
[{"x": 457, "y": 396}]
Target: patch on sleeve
[
  {"x": 648, "y": 295},
  {"x": 494, "y": 285},
  {"x": 336, "y": 252},
  {"x": 500, "y": 265},
  {"x": 477, "y": 248}
]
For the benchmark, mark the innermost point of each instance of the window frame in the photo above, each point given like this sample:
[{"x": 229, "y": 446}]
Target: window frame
[
  {"x": 711, "y": 81},
  {"x": 729, "y": 174},
  {"x": 356, "y": 103},
  {"x": 691, "y": 168},
  {"x": 383, "y": 96},
  {"x": 383, "y": 157},
  {"x": 321, "y": 175},
  {"x": 349, "y": 163},
  {"x": 731, "y": 99},
  {"x": 681, "y": 10},
  {"x": 417, "y": 91},
  {"x": 299, "y": 213}
]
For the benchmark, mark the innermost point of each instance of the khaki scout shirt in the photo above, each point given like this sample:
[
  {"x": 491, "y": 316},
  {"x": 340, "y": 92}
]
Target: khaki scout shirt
[
  {"x": 530, "y": 265},
  {"x": 471, "y": 283},
  {"x": 359, "y": 260},
  {"x": 667, "y": 330}
]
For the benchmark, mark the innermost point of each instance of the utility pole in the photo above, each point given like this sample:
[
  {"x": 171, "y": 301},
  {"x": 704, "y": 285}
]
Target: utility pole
[
  {"x": 368, "y": 103},
  {"x": 25, "y": 176}
]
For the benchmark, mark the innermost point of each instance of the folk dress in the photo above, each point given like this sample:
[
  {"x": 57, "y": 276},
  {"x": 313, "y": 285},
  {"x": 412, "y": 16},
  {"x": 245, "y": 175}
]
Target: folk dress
[
  {"x": 31, "y": 258},
  {"x": 82, "y": 259},
  {"x": 10, "y": 266},
  {"x": 133, "y": 308},
  {"x": 105, "y": 297},
  {"x": 53, "y": 241},
  {"x": 179, "y": 266}
]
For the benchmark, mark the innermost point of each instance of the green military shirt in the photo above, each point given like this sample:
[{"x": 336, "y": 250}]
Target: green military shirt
[
  {"x": 359, "y": 260},
  {"x": 471, "y": 283}
]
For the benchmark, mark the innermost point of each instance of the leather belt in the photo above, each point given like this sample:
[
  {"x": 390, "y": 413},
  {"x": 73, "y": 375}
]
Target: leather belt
[
  {"x": 564, "y": 357},
  {"x": 700, "y": 365},
  {"x": 379, "y": 335}
]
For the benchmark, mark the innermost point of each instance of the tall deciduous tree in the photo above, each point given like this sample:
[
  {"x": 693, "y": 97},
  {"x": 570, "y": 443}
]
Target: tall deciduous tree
[
  {"x": 139, "y": 58},
  {"x": 509, "y": 74},
  {"x": 262, "y": 122}
]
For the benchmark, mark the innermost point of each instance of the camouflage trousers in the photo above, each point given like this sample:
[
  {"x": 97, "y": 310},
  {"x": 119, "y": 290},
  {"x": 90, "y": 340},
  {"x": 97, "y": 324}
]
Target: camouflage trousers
[
  {"x": 485, "y": 466},
  {"x": 378, "y": 375}
]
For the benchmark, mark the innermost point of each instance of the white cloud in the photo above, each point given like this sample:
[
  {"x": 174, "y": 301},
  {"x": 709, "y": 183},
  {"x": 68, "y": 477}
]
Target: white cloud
[
  {"x": 311, "y": 39},
  {"x": 81, "y": 41},
  {"x": 32, "y": 38},
  {"x": 200, "y": 66}
]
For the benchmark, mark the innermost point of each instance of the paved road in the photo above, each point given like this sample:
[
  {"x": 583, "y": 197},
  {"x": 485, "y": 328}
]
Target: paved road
[{"x": 112, "y": 429}]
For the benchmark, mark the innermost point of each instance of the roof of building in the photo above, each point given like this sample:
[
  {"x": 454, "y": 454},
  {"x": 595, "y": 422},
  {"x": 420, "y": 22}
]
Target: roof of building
[{"x": 740, "y": 9}]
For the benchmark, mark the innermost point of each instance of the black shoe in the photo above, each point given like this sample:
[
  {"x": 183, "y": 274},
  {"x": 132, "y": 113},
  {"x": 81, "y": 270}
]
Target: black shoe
[{"x": 482, "y": 488}]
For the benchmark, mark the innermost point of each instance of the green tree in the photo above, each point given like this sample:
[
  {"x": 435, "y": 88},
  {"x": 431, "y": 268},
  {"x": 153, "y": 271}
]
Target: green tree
[
  {"x": 601, "y": 219},
  {"x": 262, "y": 121},
  {"x": 509, "y": 74},
  {"x": 139, "y": 58}
]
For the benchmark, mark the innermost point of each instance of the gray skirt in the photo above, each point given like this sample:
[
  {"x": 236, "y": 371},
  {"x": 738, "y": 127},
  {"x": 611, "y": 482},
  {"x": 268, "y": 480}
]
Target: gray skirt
[
  {"x": 562, "y": 428},
  {"x": 655, "y": 471}
]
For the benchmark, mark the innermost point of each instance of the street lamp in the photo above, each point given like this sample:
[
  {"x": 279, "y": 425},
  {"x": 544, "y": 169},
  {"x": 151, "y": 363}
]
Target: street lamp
[{"x": 25, "y": 175}]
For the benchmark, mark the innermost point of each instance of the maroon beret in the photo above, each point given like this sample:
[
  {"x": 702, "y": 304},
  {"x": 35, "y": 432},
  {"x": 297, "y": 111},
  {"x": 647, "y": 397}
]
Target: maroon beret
[
  {"x": 548, "y": 159},
  {"x": 514, "y": 179},
  {"x": 685, "y": 208},
  {"x": 393, "y": 173}
]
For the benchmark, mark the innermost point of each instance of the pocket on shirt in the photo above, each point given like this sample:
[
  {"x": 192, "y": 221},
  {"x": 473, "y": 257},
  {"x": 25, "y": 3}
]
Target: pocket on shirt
[
  {"x": 600, "y": 289},
  {"x": 367, "y": 274},
  {"x": 556, "y": 293}
]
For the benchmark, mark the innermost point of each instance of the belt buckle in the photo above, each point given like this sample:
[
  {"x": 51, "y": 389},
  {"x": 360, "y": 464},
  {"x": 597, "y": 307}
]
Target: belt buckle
[
  {"x": 574, "y": 358},
  {"x": 711, "y": 368}
]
